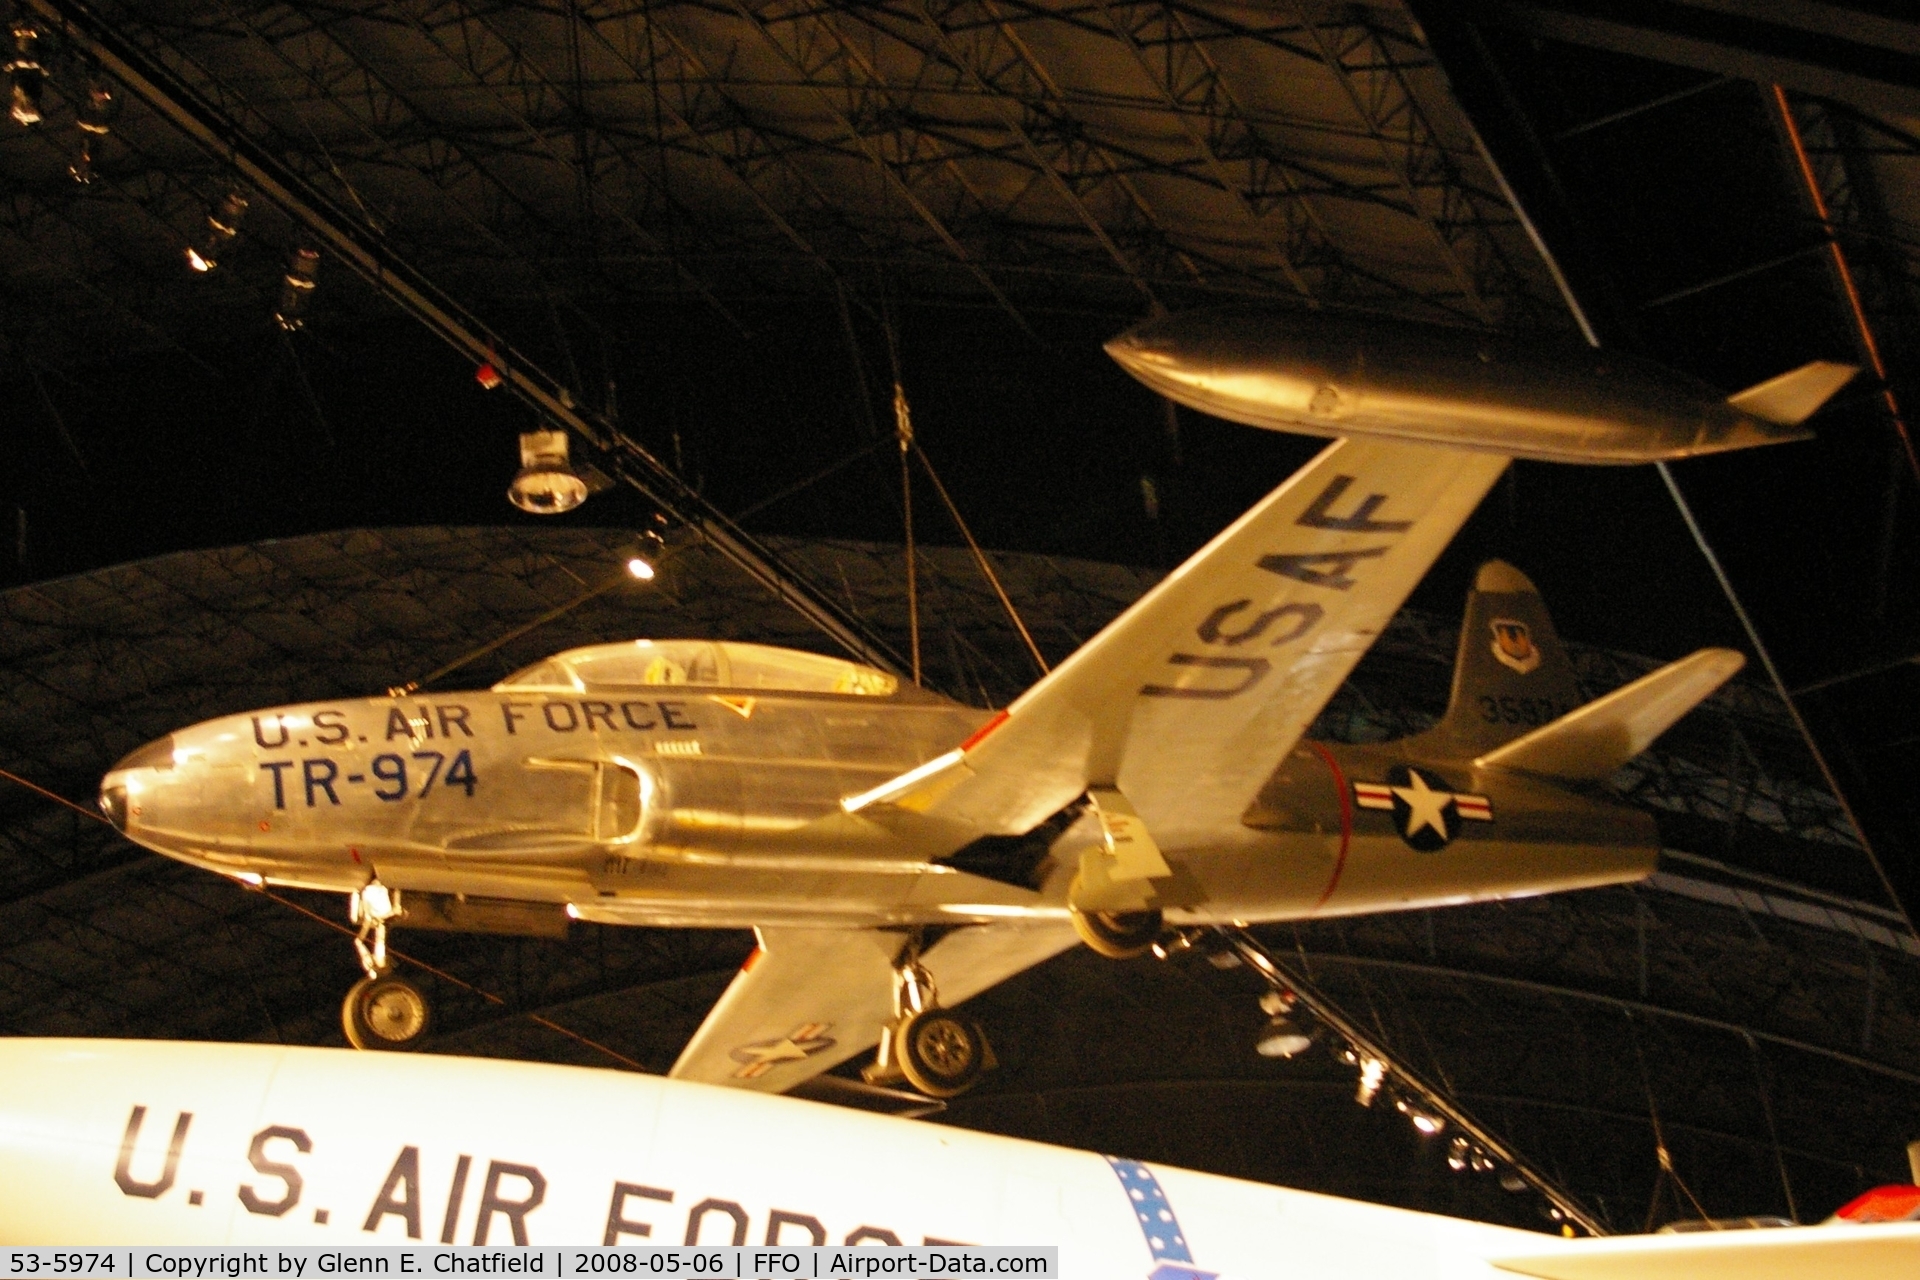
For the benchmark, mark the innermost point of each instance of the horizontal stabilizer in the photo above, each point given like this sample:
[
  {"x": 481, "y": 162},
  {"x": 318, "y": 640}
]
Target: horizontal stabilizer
[
  {"x": 1888, "y": 1252},
  {"x": 1593, "y": 741},
  {"x": 1791, "y": 398}
]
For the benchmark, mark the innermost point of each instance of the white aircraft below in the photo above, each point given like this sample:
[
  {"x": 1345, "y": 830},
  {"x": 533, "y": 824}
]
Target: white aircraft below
[{"x": 157, "y": 1143}]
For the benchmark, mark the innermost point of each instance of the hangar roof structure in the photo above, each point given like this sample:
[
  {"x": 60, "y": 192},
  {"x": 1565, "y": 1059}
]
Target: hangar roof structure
[{"x": 711, "y": 236}]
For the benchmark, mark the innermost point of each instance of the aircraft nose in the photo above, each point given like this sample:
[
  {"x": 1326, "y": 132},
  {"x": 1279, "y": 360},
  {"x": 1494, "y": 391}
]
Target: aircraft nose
[
  {"x": 113, "y": 804},
  {"x": 157, "y": 754}
]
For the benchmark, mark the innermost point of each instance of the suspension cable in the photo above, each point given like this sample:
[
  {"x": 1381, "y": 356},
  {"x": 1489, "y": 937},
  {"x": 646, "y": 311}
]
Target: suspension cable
[{"x": 980, "y": 558}]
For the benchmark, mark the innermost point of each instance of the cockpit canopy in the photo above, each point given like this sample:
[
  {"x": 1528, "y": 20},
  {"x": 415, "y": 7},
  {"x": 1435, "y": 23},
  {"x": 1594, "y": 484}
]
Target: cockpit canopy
[{"x": 721, "y": 664}]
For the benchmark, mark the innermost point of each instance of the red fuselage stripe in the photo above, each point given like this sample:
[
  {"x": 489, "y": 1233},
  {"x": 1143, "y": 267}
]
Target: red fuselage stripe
[{"x": 1346, "y": 821}]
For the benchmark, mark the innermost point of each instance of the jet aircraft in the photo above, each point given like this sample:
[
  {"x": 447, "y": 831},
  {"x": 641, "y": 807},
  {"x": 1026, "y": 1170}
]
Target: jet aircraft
[
  {"x": 897, "y": 852},
  {"x": 153, "y": 1143}
]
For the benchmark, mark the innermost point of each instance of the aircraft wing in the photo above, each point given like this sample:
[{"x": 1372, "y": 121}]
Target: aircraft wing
[
  {"x": 1190, "y": 699},
  {"x": 1889, "y": 1251},
  {"x": 806, "y": 1000}
]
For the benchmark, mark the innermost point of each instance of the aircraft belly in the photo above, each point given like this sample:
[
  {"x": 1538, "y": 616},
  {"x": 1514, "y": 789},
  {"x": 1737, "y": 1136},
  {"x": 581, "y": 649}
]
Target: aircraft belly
[
  {"x": 1382, "y": 874},
  {"x": 1303, "y": 875},
  {"x": 730, "y": 890}
]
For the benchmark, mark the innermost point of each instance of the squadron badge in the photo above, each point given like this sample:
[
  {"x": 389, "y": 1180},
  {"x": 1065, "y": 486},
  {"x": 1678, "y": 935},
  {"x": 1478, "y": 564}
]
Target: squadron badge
[
  {"x": 762, "y": 1056},
  {"x": 1425, "y": 812},
  {"x": 1513, "y": 645}
]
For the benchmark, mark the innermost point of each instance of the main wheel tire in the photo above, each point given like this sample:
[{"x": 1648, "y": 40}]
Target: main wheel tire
[
  {"x": 385, "y": 1013},
  {"x": 940, "y": 1053},
  {"x": 1118, "y": 935}
]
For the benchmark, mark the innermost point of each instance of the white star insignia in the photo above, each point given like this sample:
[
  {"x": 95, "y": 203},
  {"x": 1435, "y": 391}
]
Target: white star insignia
[
  {"x": 1425, "y": 806},
  {"x": 772, "y": 1052}
]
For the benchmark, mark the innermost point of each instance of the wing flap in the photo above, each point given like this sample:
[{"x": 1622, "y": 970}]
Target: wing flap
[
  {"x": 1592, "y": 741},
  {"x": 809, "y": 999},
  {"x": 1190, "y": 698},
  {"x": 1888, "y": 1252}
]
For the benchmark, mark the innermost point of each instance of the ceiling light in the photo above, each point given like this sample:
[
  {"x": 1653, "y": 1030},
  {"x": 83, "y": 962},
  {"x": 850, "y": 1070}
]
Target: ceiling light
[
  {"x": 297, "y": 286},
  {"x": 95, "y": 115},
  {"x": 1425, "y": 1122},
  {"x": 546, "y": 484},
  {"x": 640, "y": 569},
  {"x": 223, "y": 224},
  {"x": 27, "y": 78},
  {"x": 1282, "y": 1038},
  {"x": 1372, "y": 1072}
]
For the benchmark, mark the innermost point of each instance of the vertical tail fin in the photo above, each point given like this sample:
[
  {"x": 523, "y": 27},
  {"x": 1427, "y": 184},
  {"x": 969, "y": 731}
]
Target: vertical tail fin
[{"x": 1511, "y": 674}]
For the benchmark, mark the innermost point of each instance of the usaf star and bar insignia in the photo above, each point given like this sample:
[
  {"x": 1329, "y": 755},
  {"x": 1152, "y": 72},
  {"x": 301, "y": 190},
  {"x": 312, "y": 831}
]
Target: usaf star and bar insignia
[
  {"x": 1426, "y": 812},
  {"x": 762, "y": 1056}
]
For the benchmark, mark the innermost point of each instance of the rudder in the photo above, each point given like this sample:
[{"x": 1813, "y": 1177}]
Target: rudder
[{"x": 1511, "y": 674}]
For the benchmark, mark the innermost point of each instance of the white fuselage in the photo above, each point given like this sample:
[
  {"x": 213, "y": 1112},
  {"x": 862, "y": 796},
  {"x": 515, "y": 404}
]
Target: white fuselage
[{"x": 128, "y": 1142}]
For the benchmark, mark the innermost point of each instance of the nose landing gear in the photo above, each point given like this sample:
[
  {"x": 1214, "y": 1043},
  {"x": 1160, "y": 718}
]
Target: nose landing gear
[
  {"x": 938, "y": 1052},
  {"x": 381, "y": 1011}
]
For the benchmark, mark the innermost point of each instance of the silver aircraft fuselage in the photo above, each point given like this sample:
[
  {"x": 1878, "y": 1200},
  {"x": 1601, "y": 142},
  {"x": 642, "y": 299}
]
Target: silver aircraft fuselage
[{"x": 721, "y": 805}]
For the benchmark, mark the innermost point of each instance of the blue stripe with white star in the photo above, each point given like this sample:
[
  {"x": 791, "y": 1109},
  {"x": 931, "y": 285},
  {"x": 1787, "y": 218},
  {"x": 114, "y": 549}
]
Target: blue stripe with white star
[{"x": 1155, "y": 1214}]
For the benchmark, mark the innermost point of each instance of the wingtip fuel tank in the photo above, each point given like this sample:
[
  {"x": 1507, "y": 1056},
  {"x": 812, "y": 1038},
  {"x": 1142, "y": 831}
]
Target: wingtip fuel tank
[{"x": 1331, "y": 375}]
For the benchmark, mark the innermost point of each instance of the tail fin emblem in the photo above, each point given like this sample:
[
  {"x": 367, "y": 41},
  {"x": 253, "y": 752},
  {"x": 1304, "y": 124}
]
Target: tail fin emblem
[{"x": 1513, "y": 645}]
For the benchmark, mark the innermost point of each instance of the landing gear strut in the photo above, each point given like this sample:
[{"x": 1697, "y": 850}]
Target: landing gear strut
[
  {"x": 380, "y": 1011},
  {"x": 940, "y": 1053}
]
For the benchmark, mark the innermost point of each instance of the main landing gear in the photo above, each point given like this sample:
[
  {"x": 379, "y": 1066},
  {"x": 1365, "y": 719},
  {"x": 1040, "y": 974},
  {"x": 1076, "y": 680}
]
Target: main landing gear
[
  {"x": 938, "y": 1052},
  {"x": 381, "y": 1011},
  {"x": 1117, "y": 935}
]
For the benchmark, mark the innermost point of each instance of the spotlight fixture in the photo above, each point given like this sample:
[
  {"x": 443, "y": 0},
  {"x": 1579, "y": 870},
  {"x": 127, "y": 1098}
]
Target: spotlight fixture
[
  {"x": 95, "y": 115},
  {"x": 1459, "y": 1152},
  {"x": 1282, "y": 1037},
  {"x": 223, "y": 224},
  {"x": 488, "y": 376},
  {"x": 1372, "y": 1072},
  {"x": 546, "y": 484},
  {"x": 644, "y": 556},
  {"x": 27, "y": 79},
  {"x": 1425, "y": 1122},
  {"x": 297, "y": 286}
]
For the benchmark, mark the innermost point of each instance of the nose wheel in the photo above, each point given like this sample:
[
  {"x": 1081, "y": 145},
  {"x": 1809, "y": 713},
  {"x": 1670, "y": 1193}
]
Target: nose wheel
[
  {"x": 937, "y": 1051},
  {"x": 385, "y": 1012},
  {"x": 381, "y": 1011}
]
